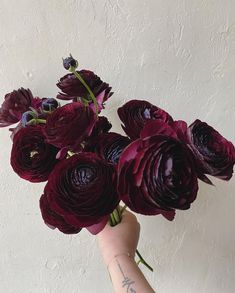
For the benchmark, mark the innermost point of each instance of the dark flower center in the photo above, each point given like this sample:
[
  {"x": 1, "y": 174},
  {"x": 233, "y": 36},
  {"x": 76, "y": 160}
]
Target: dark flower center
[
  {"x": 83, "y": 175},
  {"x": 33, "y": 153},
  {"x": 204, "y": 142}
]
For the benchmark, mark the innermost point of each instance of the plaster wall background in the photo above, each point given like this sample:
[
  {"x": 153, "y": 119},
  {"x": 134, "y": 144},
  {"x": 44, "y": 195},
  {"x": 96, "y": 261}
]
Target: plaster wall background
[{"x": 179, "y": 55}]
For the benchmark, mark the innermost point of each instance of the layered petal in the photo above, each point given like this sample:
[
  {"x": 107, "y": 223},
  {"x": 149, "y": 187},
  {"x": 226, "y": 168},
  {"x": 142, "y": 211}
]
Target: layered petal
[
  {"x": 31, "y": 157},
  {"x": 213, "y": 153},
  {"x": 82, "y": 191},
  {"x": 135, "y": 114},
  {"x": 14, "y": 105}
]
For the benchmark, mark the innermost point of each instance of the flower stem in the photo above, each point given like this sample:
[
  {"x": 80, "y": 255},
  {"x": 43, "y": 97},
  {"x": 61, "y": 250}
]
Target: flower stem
[
  {"x": 116, "y": 216},
  {"x": 112, "y": 220},
  {"x": 87, "y": 88},
  {"x": 122, "y": 209},
  {"x": 141, "y": 260},
  {"x": 41, "y": 121}
]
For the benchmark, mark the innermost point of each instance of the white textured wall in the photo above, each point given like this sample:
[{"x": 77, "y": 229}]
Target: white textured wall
[{"x": 178, "y": 54}]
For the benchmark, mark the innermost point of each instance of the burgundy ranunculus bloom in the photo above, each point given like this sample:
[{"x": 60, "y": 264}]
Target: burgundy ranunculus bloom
[
  {"x": 69, "y": 125},
  {"x": 14, "y": 105},
  {"x": 214, "y": 154},
  {"x": 102, "y": 125},
  {"x": 31, "y": 157},
  {"x": 135, "y": 114},
  {"x": 109, "y": 146},
  {"x": 156, "y": 173},
  {"x": 53, "y": 220},
  {"x": 82, "y": 191},
  {"x": 72, "y": 88}
]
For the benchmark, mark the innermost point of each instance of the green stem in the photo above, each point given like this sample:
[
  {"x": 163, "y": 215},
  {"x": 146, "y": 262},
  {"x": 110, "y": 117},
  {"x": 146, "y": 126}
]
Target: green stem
[
  {"x": 122, "y": 209},
  {"x": 41, "y": 121},
  {"x": 138, "y": 262},
  {"x": 143, "y": 261},
  {"x": 116, "y": 216},
  {"x": 112, "y": 220},
  {"x": 87, "y": 87}
]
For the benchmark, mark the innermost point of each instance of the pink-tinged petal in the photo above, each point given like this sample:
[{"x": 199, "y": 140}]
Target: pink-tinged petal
[
  {"x": 169, "y": 215},
  {"x": 181, "y": 129},
  {"x": 96, "y": 228},
  {"x": 50, "y": 226},
  {"x": 129, "y": 152},
  {"x": 100, "y": 102},
  {"x": 157, "y": 127},
  {"x": 62, "y": 154}
]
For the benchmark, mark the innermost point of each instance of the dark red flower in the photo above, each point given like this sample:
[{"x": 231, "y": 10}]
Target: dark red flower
[
  {"x": 53, "y": 220},
  {"x": 109, "y": 146},
  {"x": 14, "y": 105},
  {"x": 72, "y": 88},
  {"x": 37, "y": 103},
  {"x": 102, "y": 125},
  {"x": 82, "y": 191},
  {"x": 69, "y": 125},
  {"x": 135, "y": 114},
  {"x": 31, "y": 157},
  {"x": 214, "y": 154},
  {"x": 156, "y": 173}
]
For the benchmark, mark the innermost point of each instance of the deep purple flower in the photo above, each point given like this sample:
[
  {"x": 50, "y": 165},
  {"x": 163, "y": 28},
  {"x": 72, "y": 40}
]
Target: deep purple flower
[
  {"x": 31, "y": 157},
  {"x": 14, "y": 105},
  {"x": 156, "y": 173},
  {"x": 102, "y": 125},
  {"x": 109, "y": 146},
  {"x": 72, "y": 88},
  {"x": 82, "y": 191},
  {"x": 135, "y": 114},
  {"x": 54, "y": 220},
  {"x": 69, "y": 125},
  {"x": 214, "y": 154}
]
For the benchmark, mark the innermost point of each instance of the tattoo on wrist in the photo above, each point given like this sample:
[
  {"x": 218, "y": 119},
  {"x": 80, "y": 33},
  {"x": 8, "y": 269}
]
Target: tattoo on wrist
[{"x": 127, "y": 282}]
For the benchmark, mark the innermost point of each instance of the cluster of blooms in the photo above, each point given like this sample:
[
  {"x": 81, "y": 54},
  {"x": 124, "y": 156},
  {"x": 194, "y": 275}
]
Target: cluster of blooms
[{"x": 89, "y": 170}]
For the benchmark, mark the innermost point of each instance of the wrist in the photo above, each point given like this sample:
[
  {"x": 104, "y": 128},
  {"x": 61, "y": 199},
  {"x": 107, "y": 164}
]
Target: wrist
[{"x": 120, "y": 256}]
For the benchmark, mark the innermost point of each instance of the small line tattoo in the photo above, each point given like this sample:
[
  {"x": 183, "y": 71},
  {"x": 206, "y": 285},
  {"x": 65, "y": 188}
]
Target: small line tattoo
[{"x": 127, "y": 282}]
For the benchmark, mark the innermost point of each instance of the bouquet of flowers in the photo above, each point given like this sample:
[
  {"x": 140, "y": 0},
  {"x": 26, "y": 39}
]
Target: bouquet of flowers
[{"x": 89, "y": 169}]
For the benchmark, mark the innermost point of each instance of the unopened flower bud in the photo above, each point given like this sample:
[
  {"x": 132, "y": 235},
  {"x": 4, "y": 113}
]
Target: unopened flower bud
[
  {"x": 28, "y": 118},
  {"x": 49, "y": 105},
  {"x": 70, "y": 62}
]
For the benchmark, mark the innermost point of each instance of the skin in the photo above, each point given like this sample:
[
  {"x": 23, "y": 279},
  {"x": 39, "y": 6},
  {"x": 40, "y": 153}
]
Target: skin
[{"x": 118, "y": 245}]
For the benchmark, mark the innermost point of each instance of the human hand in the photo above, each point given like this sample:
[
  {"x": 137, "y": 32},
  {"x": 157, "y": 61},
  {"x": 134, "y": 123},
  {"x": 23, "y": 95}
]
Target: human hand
[{"x": 120, "y": 239}]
